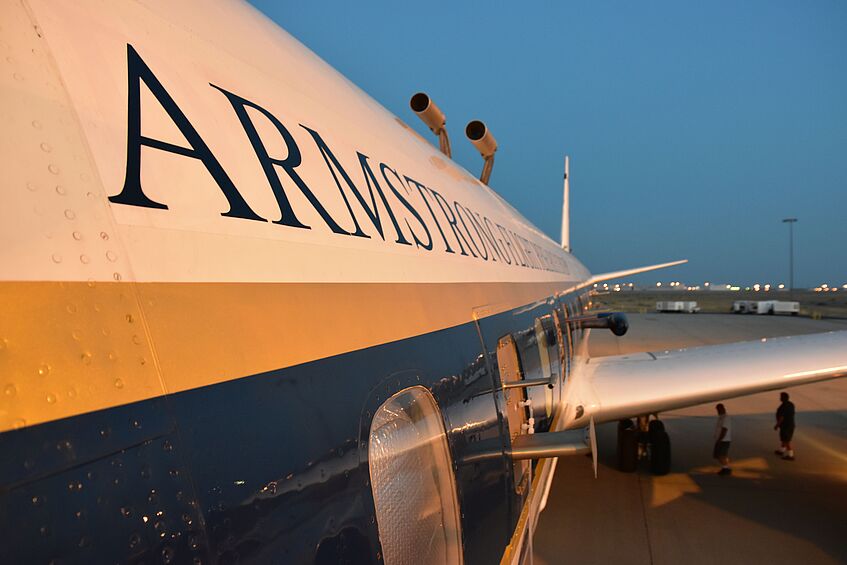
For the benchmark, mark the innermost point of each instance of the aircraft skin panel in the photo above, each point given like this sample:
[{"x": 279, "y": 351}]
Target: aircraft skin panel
[
  {"x": 269, "y": 467},
  {"x": 75, "y": 257},
  {"x": 65, "y": 343},
  {"x": 629, "y": 385},
  {"x": 55, "y": 221},
  {"x": 197, "y": 189},
  {"x": 207, "y": 257},
  {"x": 70, "y": 348}
]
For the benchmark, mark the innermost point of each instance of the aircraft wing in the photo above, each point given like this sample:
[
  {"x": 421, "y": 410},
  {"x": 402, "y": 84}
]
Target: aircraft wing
[
  {"x": 623, "y": 386},
  {"x": 624, "y": 273}
]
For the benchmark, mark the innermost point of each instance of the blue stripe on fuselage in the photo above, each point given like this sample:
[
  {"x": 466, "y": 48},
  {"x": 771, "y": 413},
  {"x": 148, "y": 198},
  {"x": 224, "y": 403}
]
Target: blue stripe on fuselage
[{"x": 267, "y": 468}]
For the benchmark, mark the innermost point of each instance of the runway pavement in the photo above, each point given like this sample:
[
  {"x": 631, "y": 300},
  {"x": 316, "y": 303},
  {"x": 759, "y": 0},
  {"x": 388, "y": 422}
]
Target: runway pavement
[{"x": 769, "y": 511}]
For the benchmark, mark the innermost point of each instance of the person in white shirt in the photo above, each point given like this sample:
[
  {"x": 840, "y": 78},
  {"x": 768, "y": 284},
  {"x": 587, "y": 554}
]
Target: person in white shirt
[{"x": 723, "y": 436}]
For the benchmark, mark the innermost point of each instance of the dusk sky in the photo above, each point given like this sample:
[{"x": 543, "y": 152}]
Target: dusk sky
[{"x": 693, "y": 128}]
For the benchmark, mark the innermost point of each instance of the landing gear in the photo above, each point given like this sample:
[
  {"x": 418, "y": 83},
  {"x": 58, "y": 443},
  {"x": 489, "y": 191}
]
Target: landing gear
[
  {"x": 648, "y": 440},
  {"x": 660, "y": 448},
  {"x": 627, "y": 446}
]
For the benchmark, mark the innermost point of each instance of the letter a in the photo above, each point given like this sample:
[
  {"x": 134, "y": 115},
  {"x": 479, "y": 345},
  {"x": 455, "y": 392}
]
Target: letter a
[{"x": 132, "y": 193}]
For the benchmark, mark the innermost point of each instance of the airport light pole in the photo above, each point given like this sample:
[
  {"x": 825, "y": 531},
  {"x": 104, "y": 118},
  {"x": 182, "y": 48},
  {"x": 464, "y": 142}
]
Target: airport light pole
[{"x": 790, "y": 222}]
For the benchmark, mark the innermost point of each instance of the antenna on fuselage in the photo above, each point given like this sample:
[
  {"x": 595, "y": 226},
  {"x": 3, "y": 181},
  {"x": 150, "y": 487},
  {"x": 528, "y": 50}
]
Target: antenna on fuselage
[
  {"x": 477, "y": 132},
  {"x": 566, "y": 213},
  {"x": 433, "y": 117}
]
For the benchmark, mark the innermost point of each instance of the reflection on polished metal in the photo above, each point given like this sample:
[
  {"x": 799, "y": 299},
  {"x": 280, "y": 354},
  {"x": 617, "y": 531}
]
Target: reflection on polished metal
[
  {"x": 531, "y": 446},
  {"x": 530, "y": 382},
  {"x": 549, "y": 444}
]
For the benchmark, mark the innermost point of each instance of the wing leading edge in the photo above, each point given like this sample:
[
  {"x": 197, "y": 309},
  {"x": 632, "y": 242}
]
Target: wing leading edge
[
  {"x": 628, "y": 385},
  {"x": 625, "y": 273}
]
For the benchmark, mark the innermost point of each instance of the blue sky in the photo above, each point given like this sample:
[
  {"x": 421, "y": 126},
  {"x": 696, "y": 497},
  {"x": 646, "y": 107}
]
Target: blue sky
[{"x": 693, "y": 128}]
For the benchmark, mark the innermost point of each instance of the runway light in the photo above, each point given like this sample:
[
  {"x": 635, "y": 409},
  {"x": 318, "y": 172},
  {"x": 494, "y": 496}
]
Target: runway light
[
  {"x": 844, "y": 286},
  {"x": 781, "y": 286},
  {"x": 658, "y": 284}
]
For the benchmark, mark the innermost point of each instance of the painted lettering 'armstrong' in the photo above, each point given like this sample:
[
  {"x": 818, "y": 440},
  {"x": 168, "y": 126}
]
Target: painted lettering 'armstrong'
[{"x": 387, "y": 202}]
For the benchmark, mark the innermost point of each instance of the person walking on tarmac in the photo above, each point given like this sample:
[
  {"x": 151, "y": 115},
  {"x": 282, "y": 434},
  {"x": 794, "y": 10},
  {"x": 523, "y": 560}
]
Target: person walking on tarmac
[
  {"x": 785, "y": 425},
  {"x": 723, "y": 436}
]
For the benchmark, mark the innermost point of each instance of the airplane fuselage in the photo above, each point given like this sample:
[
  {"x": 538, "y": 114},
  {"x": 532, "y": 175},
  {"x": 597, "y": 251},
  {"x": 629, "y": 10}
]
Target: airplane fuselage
[{"x": 222, "y": 260}]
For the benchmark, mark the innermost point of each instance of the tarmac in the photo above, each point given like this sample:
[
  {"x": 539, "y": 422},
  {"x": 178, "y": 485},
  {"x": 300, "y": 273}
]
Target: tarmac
[{"x": 768, "y": 511}]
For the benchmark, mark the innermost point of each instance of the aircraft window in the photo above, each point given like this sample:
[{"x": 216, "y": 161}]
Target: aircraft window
[{"x": 414, "y": 490}]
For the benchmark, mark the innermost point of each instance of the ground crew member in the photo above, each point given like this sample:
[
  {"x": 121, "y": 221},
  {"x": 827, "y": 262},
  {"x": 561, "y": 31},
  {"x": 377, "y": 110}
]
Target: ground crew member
[
  {"x": 785, "y": 425},
  {"x": 723, "y": 436}
]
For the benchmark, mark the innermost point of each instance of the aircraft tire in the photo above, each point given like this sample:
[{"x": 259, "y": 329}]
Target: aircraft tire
[
  {"x": 660, "y": 452},
  {"x": 653, "y": 428},
  {"x": 627, "y": 446}
]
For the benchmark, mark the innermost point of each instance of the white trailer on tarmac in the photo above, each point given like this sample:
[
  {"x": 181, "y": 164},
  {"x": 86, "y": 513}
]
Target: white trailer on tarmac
[
  {"x": 787, "y": 307},
  {"x": 744, "y": 306},
  {"x": 688, "y": 306}
]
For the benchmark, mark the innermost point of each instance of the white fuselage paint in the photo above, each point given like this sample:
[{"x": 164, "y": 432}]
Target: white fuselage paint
[{"x": 240, "y": 51}]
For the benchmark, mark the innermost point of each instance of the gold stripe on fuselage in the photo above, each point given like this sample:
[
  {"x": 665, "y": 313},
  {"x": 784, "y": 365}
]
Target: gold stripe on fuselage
[{"x": 68, "y": 348}]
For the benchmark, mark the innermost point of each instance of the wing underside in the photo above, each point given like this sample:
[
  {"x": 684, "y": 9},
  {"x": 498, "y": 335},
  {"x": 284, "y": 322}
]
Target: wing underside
[{"x": 629, "y": 385}]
